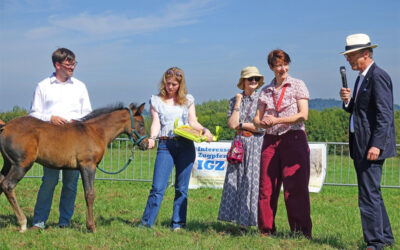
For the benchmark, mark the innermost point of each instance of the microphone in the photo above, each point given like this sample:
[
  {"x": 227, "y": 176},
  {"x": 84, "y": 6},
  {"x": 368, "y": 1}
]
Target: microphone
[{"x": 343, "y": 74}]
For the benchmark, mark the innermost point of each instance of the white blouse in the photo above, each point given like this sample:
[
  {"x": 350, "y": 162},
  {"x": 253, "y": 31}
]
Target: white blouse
[{"x": 169, "y": 113}]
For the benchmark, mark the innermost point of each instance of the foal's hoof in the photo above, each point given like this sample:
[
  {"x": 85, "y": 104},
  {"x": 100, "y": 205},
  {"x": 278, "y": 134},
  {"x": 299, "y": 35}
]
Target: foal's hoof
[
  {"x": 91, "y": 229},
  {"x": 23, "y": 229}
]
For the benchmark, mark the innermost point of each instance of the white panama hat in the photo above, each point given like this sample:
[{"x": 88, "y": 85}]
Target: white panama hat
[{"x": 356, "y": 42}]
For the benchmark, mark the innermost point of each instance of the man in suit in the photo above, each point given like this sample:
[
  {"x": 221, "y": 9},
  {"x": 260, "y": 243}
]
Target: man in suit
[{"x": 372, "y": 136}]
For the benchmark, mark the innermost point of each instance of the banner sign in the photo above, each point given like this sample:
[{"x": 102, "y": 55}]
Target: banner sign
[
  {"x": 318, "y": 166},
  {"x": 210, "y": 165}
]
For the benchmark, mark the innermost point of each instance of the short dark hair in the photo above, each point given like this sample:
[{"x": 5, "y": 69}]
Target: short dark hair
[
  {"x": 61, "y": 54},
  {"x": 276, "y": 55}
]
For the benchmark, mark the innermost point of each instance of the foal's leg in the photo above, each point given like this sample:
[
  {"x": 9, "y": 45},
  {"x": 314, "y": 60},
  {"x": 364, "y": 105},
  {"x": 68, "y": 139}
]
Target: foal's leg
[
  {"x": 88, "y": 174},
  {"x": 4, "y": 172},
  {"x": 8, "y": 185}
]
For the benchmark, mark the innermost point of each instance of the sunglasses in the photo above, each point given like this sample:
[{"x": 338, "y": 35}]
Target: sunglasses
[
  {"x": 256, "y": 78},
  {"x": 171, "y": 72}
]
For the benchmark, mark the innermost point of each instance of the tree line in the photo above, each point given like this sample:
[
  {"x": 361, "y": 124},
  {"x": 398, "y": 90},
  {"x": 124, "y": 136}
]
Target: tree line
[{"x": 327, "y": 125}]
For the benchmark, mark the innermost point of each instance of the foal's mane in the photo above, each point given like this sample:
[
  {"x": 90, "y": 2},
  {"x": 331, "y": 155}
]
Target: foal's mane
[{"x": 101, "y": 111}]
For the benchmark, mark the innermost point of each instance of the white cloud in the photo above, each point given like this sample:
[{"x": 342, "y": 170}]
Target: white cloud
[
  {"x": 118, "y": 25},
  {"x": 42, "y": 32},
  {"x": 21, "y": 7}
]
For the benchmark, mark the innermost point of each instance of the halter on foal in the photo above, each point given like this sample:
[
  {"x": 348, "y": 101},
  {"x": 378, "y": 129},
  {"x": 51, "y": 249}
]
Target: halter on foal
[{"x": 78, "y": 145}]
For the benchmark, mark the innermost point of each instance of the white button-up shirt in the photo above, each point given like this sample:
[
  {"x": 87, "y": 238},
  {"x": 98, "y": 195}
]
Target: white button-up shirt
[
  {"x": 69, "y": 99},
  {"x": 362, "y": 75}
]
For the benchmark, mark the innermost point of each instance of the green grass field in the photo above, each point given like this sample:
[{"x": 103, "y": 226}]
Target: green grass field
[{"x": 119, "y": 206}]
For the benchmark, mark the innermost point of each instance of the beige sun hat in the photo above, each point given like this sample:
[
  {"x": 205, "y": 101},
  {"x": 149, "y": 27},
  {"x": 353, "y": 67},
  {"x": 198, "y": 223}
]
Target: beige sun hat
[
  {"x": 356, "y": 42},
  {"x": 249, "y": 72}
]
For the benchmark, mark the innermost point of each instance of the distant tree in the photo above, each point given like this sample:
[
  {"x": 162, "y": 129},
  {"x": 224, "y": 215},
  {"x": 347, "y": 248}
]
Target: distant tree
[
  {"x": 397, "y": 125},
  {"x": 16, "y": 112},
  {"x": 211, "y": 107},
  {"x": 214, "y": 113},
  {"x": 327, "y": 125}
]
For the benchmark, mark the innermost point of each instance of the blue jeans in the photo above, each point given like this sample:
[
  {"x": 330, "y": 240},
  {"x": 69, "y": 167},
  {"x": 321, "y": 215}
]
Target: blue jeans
[
  {"x": 181, "y": 153},
  {"x": 45, "y": 196}
]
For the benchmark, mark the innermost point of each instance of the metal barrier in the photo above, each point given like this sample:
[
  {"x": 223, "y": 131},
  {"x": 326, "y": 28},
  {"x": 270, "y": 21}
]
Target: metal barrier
[
  {"x": 340, "y": 168},
  {"x": 116, "y": 155}
]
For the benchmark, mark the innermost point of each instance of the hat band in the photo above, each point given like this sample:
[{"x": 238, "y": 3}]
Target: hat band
[{"x": 357, "y": 46}]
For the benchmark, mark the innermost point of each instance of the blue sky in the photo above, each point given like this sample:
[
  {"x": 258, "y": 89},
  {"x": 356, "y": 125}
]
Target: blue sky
[{"x": 123, "y": 47}]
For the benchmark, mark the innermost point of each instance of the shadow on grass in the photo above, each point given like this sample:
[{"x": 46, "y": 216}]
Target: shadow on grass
[
  {"x": 233, "y": 230},
  {"x": 220, "y": 227},
  {"x": 334, "y": 241},
  {"x": 102, "y": 221},
  {"x": 6, "y": 220}
]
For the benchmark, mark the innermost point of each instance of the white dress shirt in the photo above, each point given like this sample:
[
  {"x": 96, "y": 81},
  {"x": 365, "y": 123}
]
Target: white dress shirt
[
  {"x": 362, "y": 75},
  {"x": 69, "y": 99}
]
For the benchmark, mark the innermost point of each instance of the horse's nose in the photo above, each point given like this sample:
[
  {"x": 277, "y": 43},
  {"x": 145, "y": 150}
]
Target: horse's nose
[{"x": 144, "y": 144}]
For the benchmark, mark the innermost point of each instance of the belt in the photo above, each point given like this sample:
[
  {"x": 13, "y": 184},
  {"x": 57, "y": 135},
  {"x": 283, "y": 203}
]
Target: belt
[
  {"x": 288, "y": 133},
  {"x": 247, "y": 133},
  {"x": 169, "y": 138},
  {"x": 166, "y": 138}
]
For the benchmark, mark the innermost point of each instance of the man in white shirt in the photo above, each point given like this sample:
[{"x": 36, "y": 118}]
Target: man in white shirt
[{"x": 59, "y": 99}]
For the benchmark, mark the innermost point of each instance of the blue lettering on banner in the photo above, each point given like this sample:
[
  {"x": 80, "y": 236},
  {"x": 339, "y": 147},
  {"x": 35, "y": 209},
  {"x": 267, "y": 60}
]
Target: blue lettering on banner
[
  {"x": 206, "y": 149},
  {"x": 219, "y": 165},
  {"x": 211, "y": 156},
  {"x": 210, "y": 165}
]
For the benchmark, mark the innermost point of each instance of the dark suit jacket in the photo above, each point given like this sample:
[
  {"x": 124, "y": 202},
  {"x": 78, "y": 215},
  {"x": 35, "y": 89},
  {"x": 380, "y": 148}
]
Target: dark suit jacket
[{"x": 373, "y": 116}]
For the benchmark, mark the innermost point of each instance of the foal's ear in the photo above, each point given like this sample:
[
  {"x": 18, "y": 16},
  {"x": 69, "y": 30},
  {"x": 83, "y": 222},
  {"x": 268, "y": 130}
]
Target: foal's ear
[{"x": 140, "y": 109}]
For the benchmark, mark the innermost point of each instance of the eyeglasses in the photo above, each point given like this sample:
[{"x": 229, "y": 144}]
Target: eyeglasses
[
  {"x": 352, "y": 54},
  {"x": 280, "y": 66},
  {"x": 256, "y": 78},
  {"x": 69, "y": 65},
  {"x": 172, "y": 72}
]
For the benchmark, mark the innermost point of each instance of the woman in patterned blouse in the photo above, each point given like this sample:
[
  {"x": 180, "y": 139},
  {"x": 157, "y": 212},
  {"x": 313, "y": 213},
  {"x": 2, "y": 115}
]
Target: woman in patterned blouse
[
  {"x": 239, "y": 199},
  {"x": 285, "y": 157}
]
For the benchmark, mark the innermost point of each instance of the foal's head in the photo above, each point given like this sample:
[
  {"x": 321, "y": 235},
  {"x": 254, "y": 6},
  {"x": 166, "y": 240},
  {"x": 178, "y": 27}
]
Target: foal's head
[
  {"x": 122, "y": 114},
  {"x": 138, "y": 132}
]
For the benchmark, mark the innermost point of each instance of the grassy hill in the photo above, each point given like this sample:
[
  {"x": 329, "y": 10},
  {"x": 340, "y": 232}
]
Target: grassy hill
[{"x": 320, "y": 104}]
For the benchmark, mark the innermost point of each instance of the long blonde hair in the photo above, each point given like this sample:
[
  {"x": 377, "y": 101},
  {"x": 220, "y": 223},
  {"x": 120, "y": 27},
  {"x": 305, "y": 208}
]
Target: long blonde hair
[{"x": 177, "y": 74}]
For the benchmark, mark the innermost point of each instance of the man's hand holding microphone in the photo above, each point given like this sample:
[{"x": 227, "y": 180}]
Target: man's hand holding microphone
[{"x": 345, "y": 92}]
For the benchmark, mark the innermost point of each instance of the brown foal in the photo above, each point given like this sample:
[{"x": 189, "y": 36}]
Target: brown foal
[{"x": 78, "y": 145}]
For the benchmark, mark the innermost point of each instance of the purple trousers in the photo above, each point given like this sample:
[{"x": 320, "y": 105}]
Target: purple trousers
[{"x": 285, "y": 159}]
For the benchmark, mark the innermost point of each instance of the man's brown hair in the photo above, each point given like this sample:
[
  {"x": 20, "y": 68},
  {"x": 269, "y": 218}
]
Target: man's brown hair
[{"x": 61, "y": 54}]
